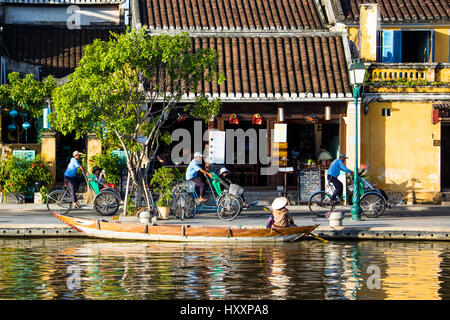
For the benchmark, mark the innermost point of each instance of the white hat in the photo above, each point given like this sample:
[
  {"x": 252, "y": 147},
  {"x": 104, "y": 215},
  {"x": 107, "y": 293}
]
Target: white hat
[
  {"x": 75, "y": 153},
  {"x": 198, "y": 154},
  {"x": 279, "y": 203},
  {"x": 223, "y": 170}
]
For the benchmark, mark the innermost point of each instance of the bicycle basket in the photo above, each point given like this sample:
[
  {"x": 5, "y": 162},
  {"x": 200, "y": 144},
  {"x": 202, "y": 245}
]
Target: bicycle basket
[
  {"x": 189, "y": 186},
  {"x": 236, "y": 190}
]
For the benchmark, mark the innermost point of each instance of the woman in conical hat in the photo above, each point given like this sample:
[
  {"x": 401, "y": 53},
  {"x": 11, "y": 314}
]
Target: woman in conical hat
[{"x": 280, "y": 214}]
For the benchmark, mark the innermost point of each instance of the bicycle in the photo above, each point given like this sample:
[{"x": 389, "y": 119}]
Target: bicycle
[
  {"x": 182, "y": 204},
  {"x": 228, "y": 202},
  {"x": 106, "y": 201},
  {"x": 372, "y": 202}
]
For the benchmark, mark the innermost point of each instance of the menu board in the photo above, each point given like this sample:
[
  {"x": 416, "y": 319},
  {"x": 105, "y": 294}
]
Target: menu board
[{"x": 309, "y": 181}]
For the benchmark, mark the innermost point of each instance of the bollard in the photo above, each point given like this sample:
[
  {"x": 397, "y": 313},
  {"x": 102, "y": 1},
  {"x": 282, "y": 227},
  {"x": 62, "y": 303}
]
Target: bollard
[
  {"x": 336, "y": 218},
  {"x": 144, "y": 217}
]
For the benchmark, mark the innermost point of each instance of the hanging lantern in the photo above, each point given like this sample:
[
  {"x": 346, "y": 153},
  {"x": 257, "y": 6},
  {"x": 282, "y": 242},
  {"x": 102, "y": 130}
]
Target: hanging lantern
[
  {"x": 12, "y": 127},
  {"x": 26, "y": 126},
  {"x": 257, "y": 119},
  {"x": 13, "y": 113},
  {"x": 234, "y": 119},
  {"x": 310, "y": 118}
]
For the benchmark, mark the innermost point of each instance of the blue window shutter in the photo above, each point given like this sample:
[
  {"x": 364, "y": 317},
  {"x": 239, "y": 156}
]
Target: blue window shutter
[
  {"x": 431, "y": 57},
  {"x": 388, "y": 46},
  {"x": 397, "y": 46}
]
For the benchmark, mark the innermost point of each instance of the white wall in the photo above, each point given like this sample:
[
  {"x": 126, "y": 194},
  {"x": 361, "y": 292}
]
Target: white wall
[{"x": 85, "y": 15}]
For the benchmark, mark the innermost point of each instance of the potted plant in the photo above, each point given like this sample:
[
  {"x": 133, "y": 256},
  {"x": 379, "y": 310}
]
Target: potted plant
[
  {"x": 38, "y": 172},
  {"x": 162, "y": 183}
]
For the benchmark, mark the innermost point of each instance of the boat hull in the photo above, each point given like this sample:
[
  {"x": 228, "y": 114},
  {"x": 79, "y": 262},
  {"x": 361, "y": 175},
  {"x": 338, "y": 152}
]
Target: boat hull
[{"x": 182, "y": 233}]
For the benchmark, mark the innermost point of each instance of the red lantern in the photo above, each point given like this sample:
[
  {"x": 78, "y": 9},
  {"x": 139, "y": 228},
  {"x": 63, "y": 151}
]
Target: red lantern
[
  {"x": 234, "y": 119},
  {"x": 257, "y": 119}
]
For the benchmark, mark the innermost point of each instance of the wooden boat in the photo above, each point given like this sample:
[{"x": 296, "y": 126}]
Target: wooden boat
[{"x": 182, "y": 233}]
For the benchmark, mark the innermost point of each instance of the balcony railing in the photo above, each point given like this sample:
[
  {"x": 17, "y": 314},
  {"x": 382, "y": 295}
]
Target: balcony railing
[{"x": 390, "y": 75}]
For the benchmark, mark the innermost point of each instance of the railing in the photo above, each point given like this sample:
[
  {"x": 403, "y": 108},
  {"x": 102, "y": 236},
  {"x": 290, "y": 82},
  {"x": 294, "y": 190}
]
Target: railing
[{"x": 427, "y": 72}]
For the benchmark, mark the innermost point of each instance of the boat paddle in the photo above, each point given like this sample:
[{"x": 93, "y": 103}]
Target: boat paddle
[{"x": 313, "y": 235}]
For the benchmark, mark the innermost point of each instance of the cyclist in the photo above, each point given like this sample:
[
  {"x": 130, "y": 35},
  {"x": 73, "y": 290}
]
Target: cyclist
[
  {"x": 333, "y": 173},
  {"x": 71, "y": 178},
  {"x": 192, "y": 172}
]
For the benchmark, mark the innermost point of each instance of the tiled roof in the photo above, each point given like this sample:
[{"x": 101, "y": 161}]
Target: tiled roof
[
  {"x": 62, "y": 2},
  {"x": 230, "y": 14},
  {"x": 56, "y": 49},
  {"x": 400, "y": 11},
  {"x": 279, "y": 67}
]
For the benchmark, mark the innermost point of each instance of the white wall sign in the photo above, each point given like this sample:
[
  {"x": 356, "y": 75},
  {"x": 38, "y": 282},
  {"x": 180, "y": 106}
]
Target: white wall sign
[
  {"x": 280, "y": 132},
  {"x": 217, "y": 147}
]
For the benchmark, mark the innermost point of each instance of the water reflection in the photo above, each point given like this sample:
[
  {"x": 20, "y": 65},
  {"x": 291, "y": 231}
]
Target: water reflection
[{"x": 88, "y": 269}]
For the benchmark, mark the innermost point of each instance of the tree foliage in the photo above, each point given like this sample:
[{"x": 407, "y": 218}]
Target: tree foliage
[
  {"x": 26, "y": 93},
  {"x": 127, "y": 86}
]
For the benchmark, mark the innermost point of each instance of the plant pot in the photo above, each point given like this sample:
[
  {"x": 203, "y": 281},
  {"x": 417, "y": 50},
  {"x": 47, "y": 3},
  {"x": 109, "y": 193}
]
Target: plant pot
[
  {"x": 163, "y": 212},
  {"x": 38, "y": 185}
]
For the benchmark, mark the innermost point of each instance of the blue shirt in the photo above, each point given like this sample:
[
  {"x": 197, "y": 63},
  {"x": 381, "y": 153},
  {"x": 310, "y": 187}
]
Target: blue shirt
[
  {"x": 336, "y": 167},
  {"x": 72, "y": 168},
  {"x": 192, "y": 169}
]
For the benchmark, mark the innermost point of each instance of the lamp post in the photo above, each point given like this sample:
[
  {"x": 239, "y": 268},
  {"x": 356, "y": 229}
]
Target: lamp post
[{"x": 357, "y": 72}]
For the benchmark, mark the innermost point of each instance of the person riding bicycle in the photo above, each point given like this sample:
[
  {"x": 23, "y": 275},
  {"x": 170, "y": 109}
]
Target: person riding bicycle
[
  {"x": 333, "y": 173},
  {"x": 71, "y": 178},
  {"x": 192, "y": 175}
]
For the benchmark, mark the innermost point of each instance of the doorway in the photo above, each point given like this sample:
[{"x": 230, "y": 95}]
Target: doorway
[
  {"x": 445, "y": 156},
  {"x": 65, "y": 146}
]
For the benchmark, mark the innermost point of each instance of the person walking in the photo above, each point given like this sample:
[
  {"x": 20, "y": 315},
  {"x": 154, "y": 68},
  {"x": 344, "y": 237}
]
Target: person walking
[
  {"x": 333, "y": 173},
  {"x": 71, "y": 178},
  {"x": 192, "y": 175}
]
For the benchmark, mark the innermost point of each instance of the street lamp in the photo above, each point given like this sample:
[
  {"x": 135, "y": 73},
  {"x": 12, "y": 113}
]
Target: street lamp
[{"x": 357, "y": 72}]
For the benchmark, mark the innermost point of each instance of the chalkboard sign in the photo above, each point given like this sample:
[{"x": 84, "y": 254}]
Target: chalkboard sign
[{"x": 309, "y": 181}]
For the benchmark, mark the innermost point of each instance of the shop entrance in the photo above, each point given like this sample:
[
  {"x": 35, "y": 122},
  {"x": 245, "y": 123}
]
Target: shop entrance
[
  {"x": 304, "y": 143},
  {"x": 445, "y": 157},
  {"x": 246, "y": 174}
]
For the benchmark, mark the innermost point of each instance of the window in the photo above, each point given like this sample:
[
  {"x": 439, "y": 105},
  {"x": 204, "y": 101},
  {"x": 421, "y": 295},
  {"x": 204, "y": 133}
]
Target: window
[
  {"x": 405, "y": 46},
  {"x": 386, "y": 112}
]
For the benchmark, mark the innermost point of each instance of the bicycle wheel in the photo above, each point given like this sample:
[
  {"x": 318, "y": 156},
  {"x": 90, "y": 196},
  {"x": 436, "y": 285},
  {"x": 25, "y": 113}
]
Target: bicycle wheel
[
  {"x": 106, "y": 203},
  {"x": 372, "y": 204},
  {"x": 320, "y": 202},
  {"x": 59, "y": 201},
  {"x": 183, "y": 205},
  {"x": 176, "y": 206},
  {"x": 228, "y": 207}
]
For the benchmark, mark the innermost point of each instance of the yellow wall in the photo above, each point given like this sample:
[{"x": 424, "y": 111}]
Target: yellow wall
[
  {"x": 399, "y": 149},
  {"x": 369, "y": 25},
  {"x": 442, "y": 38}
]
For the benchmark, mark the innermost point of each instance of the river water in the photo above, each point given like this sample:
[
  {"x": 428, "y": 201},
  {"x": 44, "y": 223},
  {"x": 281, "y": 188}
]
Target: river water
[{"x": 89, "y": 269}]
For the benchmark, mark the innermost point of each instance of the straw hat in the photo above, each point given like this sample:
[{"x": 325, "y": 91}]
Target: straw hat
[{"x": 279, "y": 203}]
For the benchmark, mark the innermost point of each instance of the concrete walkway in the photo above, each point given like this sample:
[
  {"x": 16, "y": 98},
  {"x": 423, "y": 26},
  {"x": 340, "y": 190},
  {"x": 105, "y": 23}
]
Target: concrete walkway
[{"x": 430, "y": 222}]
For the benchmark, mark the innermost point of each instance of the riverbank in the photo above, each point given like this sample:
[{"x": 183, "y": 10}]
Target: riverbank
[{"x": 404, "y": 222}]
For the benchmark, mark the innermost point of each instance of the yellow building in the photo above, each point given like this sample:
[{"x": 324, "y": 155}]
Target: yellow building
[{"x": 403, "y": 133}]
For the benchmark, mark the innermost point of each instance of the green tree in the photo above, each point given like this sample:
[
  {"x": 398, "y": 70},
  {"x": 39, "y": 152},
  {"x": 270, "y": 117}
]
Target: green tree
[
  {"x": 26, "y": 93},
  {"x": 128, "y": 85}
]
